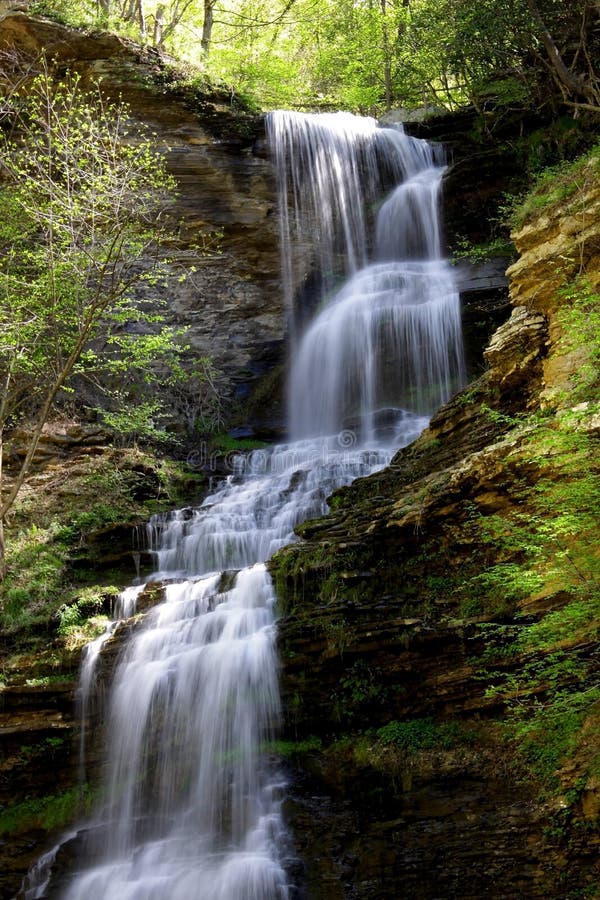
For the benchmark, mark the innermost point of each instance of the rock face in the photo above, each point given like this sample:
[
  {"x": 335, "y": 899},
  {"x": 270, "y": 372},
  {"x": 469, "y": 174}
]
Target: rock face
[
  {"x": 224, "y": 285},
  {"x": 386, "y": 621},
  {"x": 398, "y": 613},
  {"x": 484, "y": 303},
  {"x": 554, "y": 247},
  {"x": 228, "y": 242},
  {"x": 36, "y": 748}
]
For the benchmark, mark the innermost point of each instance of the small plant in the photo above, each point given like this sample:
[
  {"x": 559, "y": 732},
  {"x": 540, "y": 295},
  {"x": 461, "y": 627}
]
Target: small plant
[
  {"x": 554, "y": 185},
  {"x": 141, "y": 421},
  {"x": 49, "y": 746},
  {"x": 579, "y": 317},
  {"x": 339, "y": 635},
  {"x": 499, "y": 418},
  {"x": 49, "y": 813},
  {"x": 69, "y": 617},
  {"x": 480, "y": 253},
  {"x": 360, "y": 689},
  {"x": 551, "y": 732},
  {"x": 420, "y": 734}
]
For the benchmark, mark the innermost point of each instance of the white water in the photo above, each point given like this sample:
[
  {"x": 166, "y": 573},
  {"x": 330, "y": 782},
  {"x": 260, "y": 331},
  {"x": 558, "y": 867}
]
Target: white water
[
  {"x": 88, "y": 700},
  {"x": 388, "y": 342},
  {"x": 189, "y": 811},
  {"x": 191, "y": 807},
  {"x": 330, "y": 169}
]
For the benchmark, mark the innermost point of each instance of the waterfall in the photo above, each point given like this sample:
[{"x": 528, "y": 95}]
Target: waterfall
[
  {"x": 386, "y": 345},
  {"x": 191, "y": 806}
]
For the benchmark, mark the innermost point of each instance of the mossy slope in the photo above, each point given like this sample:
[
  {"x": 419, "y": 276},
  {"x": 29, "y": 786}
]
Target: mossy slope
[{"x": 456, "y": 593}]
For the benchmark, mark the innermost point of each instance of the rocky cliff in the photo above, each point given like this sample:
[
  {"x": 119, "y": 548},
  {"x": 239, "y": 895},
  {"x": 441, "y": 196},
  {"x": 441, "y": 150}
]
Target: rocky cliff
[
  {"x": 227, "y": 243},
  {"x": 224, "y": 285},
  {"x": 440, "y": 627}
]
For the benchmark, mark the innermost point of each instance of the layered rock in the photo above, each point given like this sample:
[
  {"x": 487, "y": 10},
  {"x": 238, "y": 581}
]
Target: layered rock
[
  {"x": 382, "y": 613},
  {"x": 387, "y": 618},
  {"x": 554, "y": 247},
  {"x": 225, "y": 267}
]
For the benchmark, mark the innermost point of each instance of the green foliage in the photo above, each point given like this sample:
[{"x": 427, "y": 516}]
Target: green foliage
[
  {"x": 44, "y": 681},
  {"x": 579, "y": 318},
  {"x": 69, "y": 616},
  {"x": 80, "y": 227},
  {"x": 35, "y": 555},
  {"x": 550, "y": 546},
  {"x": 421, "y": 734},
  {"x": 362, "y": 56},
  {"x": 361, "y": 689},
  {"x": 499, "y": 418},
  {"x": 509, "y": 581},
  {"x": 114, "y": 489},
  {"x": 540, "y": 669},
  {"x": 551, "y": 733},
  {"x": 579, "y": 618},
  {"x": 555, "y": 185},
  {"x": 139, "y": 422},
  {"x": 480, "y": 253},
  {"x": 339, "y": 634},
  {"x": 63, "y": 11},
  {"x": 85, "y": 613},
  {"x": 46, "y": 748},
  {"x": 49, "y": 813}
]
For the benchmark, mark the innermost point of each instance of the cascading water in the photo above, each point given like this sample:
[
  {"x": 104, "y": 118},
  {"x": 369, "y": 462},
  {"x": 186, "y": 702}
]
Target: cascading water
[
  {"x": 192, "y": 795},
  {"x": 387, "y": 346}
]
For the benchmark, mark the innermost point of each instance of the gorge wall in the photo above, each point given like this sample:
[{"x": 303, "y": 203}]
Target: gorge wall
[
  {"x": 224, "y": 284},
  {"x": 402, "y": 667},
  {"x": 437, "y": 682}
]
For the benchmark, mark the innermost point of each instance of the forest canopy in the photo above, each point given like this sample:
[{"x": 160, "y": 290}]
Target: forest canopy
[{"x": 369, "y": 55}]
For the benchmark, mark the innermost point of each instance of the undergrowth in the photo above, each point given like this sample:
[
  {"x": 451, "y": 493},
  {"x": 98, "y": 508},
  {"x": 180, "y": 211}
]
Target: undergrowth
[
  {"x": 61, "y": 512},
  {"x": 555, "y": 185},
  {"x": 49, "y": 813}
]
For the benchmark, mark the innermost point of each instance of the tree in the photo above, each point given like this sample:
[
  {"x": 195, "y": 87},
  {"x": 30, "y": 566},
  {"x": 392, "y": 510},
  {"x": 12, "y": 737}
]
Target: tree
[
  {"x": 80, "y": 227},
  {"x": 575, "y": 83},
  {"x": 367, "y": 55},
  {"x": 207, "y": 24}
]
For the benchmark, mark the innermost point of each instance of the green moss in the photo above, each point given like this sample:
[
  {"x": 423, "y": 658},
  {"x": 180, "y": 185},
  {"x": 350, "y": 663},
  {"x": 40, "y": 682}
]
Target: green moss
[
  {"x": 224, "y": 443},
  {"x": 414, "y": 735},
  {"x": 47, "y": 585},
  {"x": 294, "y": 748},
  {"x": 49, "y": 813},
  {"x": 555, "y": 186}
]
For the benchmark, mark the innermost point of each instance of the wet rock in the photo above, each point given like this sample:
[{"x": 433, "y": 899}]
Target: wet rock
[{"x": 371, "y": 632}]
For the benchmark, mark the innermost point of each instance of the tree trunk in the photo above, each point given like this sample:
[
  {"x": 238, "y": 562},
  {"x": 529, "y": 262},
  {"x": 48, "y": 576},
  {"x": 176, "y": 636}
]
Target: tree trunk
[
  {"x": 142, "y": 19},
  {"x": 387, "y": 56},
  {"x": 159, "y": 24},
  {"x": 209, "y": 9},
  {"x": 575, "y": 84}
]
